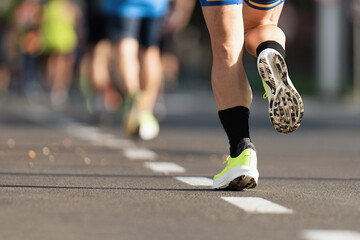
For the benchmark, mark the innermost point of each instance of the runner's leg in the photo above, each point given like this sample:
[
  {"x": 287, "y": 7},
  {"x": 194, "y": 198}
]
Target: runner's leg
[
  {"x": 232, "y": 92},
  {"x": 260, "y": 26},
  {"x": 230, "y": 84},
  {"x": 266, "y": 40}
]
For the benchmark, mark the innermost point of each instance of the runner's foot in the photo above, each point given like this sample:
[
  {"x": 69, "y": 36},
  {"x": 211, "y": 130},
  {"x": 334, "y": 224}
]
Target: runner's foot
[
  {"x": 240, "y": 172},
  {"x": 148, "y": 126},
  {"x": 139, "y": 123},
  {"x": 286, "y": 107}
]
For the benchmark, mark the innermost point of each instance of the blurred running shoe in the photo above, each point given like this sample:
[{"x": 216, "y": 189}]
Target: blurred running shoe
[
  {"x": 240, "y": 172},
  {"x": 138, "y": 123},
  {"x": 130, "y": 115},
  {"x": 286, "y": 107},
  {"x": 148, "y": 126}
]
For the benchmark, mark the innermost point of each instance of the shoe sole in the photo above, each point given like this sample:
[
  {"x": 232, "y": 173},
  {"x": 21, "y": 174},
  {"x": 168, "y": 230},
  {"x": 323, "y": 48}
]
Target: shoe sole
[
  {"x": 286, "y": 107},
  {"x": 241, "y": 183},
  {"x": 148, "y": 132},
  {"x": 237, "y": 179}
]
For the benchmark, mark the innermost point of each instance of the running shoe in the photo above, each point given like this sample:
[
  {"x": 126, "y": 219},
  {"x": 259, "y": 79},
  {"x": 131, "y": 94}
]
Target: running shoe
[
  {"x": 130, "y": 114},
  {"x": 286, "y": 107},
  {"x": 240, "y": 172},
  {"x": 148, "y": 126},
  {"x": 139, "y": 123}
]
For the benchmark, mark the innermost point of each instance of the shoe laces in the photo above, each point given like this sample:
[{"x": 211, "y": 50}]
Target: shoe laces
[
  {"x": 227, "y": 159},
  {"x": 266, "y": 95}
]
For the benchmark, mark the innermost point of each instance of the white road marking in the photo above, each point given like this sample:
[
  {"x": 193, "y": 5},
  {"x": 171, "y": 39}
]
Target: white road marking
[
  {"x": 257, "y": 205},
  {"x": 196, "y": 181},
  {"x": 116, "y": 143},
  {"x": 82, "y": 132},
  {"x": 93, "y": 135},
  {"x": 140, "y": 154},
  {"x": 330, "y": 235},
  {"x": 166, "y": 167}
]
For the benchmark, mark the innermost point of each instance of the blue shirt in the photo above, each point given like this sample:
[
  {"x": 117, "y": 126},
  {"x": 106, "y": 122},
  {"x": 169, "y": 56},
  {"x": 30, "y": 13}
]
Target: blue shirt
[{"x": 135, "y": 8}]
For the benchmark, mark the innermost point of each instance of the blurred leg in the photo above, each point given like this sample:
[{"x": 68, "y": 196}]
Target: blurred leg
[
  {"x": 5, "y": 77},
  {"x": 100, "y": 65},
  {"x": 151, "y": 77},
  {"x": 128, "y": 67},
  {"x": 62, "y": 78},
  {"x": 63, "y": 70}
]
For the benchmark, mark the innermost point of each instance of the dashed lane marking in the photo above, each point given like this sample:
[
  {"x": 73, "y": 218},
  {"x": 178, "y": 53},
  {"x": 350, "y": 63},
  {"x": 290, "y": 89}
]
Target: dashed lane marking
[
  {"x": 196, "y": 181},
  {"x": 116, "y": 143},
  {"x": 97, "y": 138},
  {"x": 140, "y": 154},
  {"x": 164, "y": 167},
  {"x": 257, "y": 205},
  {"x": 316, "y": 234}
]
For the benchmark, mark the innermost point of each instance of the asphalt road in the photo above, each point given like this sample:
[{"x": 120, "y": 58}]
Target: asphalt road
[{"x": 62, "y": 177}]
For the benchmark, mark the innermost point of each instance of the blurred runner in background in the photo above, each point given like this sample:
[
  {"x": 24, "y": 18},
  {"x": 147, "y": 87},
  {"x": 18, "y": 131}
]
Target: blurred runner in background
[
  {"x": 26, "y": 21},
  {"x": 59, "y": 40},
  {"x": 176, "y": 19},
  {"x": 95, "y": 77},
  {"x": 134, "y": 28},
  {"x": 7, "y": 8}
]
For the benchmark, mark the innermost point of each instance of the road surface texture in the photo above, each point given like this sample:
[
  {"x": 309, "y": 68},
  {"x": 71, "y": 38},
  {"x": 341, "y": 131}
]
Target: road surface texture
[{"x": 62, "y": 177}]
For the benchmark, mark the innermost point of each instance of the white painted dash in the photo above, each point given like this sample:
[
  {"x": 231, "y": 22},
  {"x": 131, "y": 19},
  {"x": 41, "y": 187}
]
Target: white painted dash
[
  {"x": 196, "y": 181},
  {"x": 115, "y": 143},
  {"x": 140, "y": 154},
  {"x": 257, "y": 205},
  {"x": 315, "y": 234},
  {"x": 164, "y": 167},
  {"x": 96, "y": 137}
]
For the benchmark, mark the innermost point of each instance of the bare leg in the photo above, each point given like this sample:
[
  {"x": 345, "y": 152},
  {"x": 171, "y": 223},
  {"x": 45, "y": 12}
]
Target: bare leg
[
  {"x": 285, "y": 104},
  {"x": 261, "y": 26},
  {"x": 128, "y": 65},
  {"x": 63, "y": 74},
  {"x": 151, "y": 77},
  {"x": 232, "y": 93},
  {"x": 230, "y": 84},
  {"x": 100, "y": 65}
]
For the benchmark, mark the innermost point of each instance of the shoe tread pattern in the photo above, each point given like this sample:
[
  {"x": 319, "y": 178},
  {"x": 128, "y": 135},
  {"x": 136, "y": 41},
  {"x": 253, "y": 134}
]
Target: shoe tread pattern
[
  {"x": 240, "y": 183},
  {"x": 285, "y": 104}
]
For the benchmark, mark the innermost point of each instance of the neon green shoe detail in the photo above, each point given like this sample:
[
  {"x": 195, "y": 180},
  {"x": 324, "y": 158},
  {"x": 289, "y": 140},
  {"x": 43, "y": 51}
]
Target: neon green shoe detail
[
  {"x": 130, "y": 114},
  {"x": 266, "y": 94},
  {"x": 148, "y": 126},
  {"x": 240, "y": 172}
]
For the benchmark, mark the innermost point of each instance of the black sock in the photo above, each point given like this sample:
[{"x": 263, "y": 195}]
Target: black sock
[
  {"x": 271, "y": 44},
  {"x": 236, "y": 124}
]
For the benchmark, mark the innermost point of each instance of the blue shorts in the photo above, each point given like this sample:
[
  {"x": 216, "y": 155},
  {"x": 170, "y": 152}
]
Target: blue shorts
[
  {"x": 219, "y": 2},
  {"x": 257, "y": 4},
  {"x": 145, "y": 30},
  {"x": 135, "y": 8}
]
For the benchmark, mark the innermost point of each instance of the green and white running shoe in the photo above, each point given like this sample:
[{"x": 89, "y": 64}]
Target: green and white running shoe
[
  {"x": 138, "y": 123},
  {"x": 286, "y": 107},
  {"x": 240, "y": 172},
  {"x": 148, "y": 126}
]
